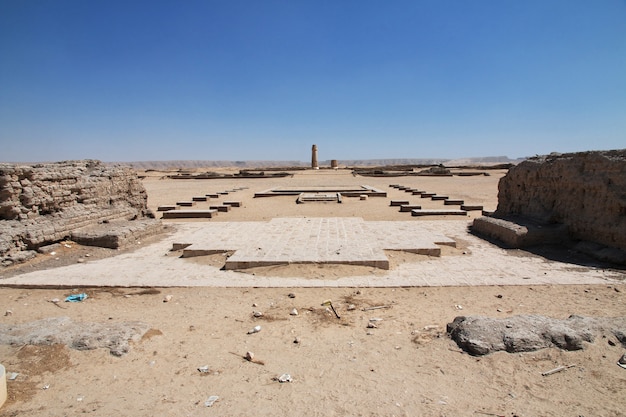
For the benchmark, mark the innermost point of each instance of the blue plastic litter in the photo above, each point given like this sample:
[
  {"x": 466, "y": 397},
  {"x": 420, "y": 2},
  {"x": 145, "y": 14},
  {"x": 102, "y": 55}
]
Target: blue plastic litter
[{"x": 75, "y": 298}]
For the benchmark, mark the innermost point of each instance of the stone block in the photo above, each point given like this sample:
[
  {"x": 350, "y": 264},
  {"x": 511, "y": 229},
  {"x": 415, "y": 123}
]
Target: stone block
[
  {"x": 471, "y": 208},
  {"x": 409, "y": 207},
  {"x": 438, "y": 213},
  {"x": 189, "y": 214},
  {"x": 398, "y": 202}
]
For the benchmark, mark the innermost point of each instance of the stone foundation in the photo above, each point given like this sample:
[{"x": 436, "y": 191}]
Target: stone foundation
[
  {"x": 583, "y": 193},
  {"x": 45, "y": 203}
]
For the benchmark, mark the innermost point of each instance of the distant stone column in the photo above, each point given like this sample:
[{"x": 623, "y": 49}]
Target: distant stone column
[
  {"x": 314, "y": 164},
  {"x": 334, "y": 164}
]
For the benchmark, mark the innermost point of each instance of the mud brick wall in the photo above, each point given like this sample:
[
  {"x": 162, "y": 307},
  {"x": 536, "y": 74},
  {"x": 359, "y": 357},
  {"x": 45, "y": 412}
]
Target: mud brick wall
[
  {"x": 43, "y": 203},
  {"x": 585, "y": 191}
]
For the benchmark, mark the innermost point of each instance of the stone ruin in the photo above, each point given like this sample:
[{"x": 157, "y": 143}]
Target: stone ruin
[
  {"x": 85, "y": 201},
  {"x": 577, "y": 199}
]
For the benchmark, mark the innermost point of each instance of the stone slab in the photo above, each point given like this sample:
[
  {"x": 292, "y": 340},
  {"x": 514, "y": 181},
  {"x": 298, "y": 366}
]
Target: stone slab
[
  {"x": 398, "y": 202},
  {"x": 438, "y": 213},
  {"x": 409, "y": 207},
  {"x": 223, "y": 208},
  {"x": 199, "y": 198},
  {"x": 166, "y": 208},
  {"x": 232, "y": 203},
  {"x": 427, "y": 195},
  {"x": 450, "y": 202},
  {"x": 439, "y": 197},
  {"x": 185, "y": 203},
  {"x": 213, "y": 195},
  {"x": 324, "y": 240},
  {"x": 418, "y": 192},
  {"x": 189, "y": 214},
  {"x": 471, "y": 208}
]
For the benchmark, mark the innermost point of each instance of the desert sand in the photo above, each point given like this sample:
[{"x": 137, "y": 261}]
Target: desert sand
[{"x": 406, "y": 366}]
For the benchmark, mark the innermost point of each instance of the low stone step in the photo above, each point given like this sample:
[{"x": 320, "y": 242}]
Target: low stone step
[
  {"x": 438, "y": 213},
  {"x": 189, "y": 214},
  {"x": 398, "y": 202},
  {"x": 471, "y": 208},
  {"x": 185, "y": 203},
  {"x": 439, "y": 197},
  {"x": 418, "y": 192},
  {"x": 409, "y": 207},
  {"x": 450, "y": 202},
  {"x": 427, "y": 195},
  {"x": 214, "y": 195},
  {"x": 198, "y": 198},
  {"x": 232, "y": 203},
  {"x": 220, "y": 208},
  {"x": 166, "y": 208}
]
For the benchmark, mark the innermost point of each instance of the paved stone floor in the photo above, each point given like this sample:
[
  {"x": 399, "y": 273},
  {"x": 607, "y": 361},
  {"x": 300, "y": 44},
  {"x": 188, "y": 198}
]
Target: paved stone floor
[
  {"x": 336, "y": 240},
  {"x": 484, "y": 264}
]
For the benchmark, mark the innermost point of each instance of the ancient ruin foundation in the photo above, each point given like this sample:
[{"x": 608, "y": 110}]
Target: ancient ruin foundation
[
  {"x": 45, "y": 203},
  {"x": 558, "y": 197}
]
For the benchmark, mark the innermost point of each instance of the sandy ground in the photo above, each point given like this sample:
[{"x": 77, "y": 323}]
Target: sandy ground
[{"x": 406, "y": 366}]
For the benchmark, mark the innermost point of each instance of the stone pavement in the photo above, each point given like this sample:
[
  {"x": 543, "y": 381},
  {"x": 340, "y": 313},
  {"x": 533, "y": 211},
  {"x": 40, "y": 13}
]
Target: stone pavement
[
  {"x": 320, "y": 240},
  {"x": 154, "y": 265}
]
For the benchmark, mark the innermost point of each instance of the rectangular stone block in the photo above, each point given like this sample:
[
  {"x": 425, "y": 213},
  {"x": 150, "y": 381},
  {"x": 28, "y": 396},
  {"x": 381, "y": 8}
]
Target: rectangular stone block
[
  {"x": 439, "y": 197},
  {"x": 409, "y": 207},
  {"x": 185, "y": 203},
  {"x": 427, "y": 195},
  {"x": 438, "y": 213},
  {"x": 220, "y": 208},
  {"x": 213, "y": 195},
  {"x": 189, "y": 214},
  {"x": 198, "y": 198},
  {"x": 232, "y": 203},
  {"x": 450, "y": 202},
  {"x": 398, "y": 202},
  {"x": 471, "y": 208},
  {"x": 166, "y": 208}
]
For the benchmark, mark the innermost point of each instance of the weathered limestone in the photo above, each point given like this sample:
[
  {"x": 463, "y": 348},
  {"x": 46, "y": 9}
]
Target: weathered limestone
[
  {"x": 189, "y": 214},
  {"x": 585, "y": 192},
  {"x": 44, "y": 203},
  {"x": 438, "y": 213},
  {"x": 409, "y": 207},
  {"x": 398, "y": 202}
]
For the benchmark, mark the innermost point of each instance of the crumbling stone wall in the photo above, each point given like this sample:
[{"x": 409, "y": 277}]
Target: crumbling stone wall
[
  {"x": 44, "y": 203},
  {"x": 585, "y": 191}
]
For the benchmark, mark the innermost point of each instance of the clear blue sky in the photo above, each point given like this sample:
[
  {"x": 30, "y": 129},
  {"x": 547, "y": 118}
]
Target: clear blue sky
[{"x": 264, "y": 80}]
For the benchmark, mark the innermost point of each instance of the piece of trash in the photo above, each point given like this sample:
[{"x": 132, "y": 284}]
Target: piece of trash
[
  {"x": 296, "y": 340},
  {"x": 255, "y": 329},
  {"x": 555, "y": 370},
  {"x": 8, "y": 313},
  {"x": 75, "y": 298},
  {"x": 294, "y": 312},
  {"x": 204, "y": 369},
  {"x": 55, "y": 300},
  {"x": 622, "y": 361},
  {"x": 211, "y": 400},
  {"x": 458, "y": 307},
  {"x": 53, "y": 253},
  {"x": 431, "y": 327},
  {"x": 330, "y": 303},
  {"x": 167, "y": 298},
  {"x": 284, "y": 378},
  {"x": 291, "y": 295},
  {"x": 376, "y": 319},
  {"x": 249, "y": 356},
  {"x": 67, "y": 246},
  {"x": 371, "y": 325},
  {"x": 46, "y": 386},
  {"x": 13, "y": 376},
  {"x": 257, "y": 314},
  {"x": 351, "y": 307}
]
